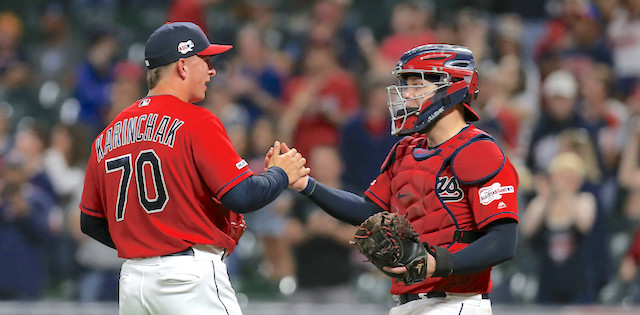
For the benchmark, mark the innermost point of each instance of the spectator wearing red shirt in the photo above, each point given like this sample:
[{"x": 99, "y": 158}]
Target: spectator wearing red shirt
[
  {"x": 318, "y": 102},
  {"x": 410, "y": 28},
  {"x": 410, "y": 24},
  {"x": 190, "y": 11}
]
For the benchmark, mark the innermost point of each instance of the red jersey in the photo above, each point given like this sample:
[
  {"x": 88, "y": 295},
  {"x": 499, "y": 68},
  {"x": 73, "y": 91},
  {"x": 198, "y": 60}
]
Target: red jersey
[
  {"x": 334, "y": 95},
  {"x": 157, "y": 173},
  {"x": 463, "y": 184},
  {"x": 634, "y": 249},
  {"x": 394, "y": 46}
]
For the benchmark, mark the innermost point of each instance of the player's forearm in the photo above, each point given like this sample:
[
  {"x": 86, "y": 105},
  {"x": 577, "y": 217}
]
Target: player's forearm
[
  {"x": 256, "y": 192},
  {"x": 340, "y": 204},
  {"x": 97, "y": 228},
  {"x": 498, "y": 245}
]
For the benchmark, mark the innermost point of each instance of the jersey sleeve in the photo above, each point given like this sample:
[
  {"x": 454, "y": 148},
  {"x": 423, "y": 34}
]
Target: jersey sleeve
[
  {"x": 90, "y": 203},
  {"x": 379, "y": 190},
  {"x": 216, "y": 159},
  {"x": 496, "y": 198}
]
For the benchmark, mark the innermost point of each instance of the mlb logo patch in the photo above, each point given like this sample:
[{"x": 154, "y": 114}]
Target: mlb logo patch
[
  {"x": 144, "y": 102},
  {"x": 241, "y": 164},
  {"x": 493, "y": 192}
]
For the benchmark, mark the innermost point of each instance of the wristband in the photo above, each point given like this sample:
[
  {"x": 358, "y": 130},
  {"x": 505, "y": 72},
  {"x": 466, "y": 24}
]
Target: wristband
[
  {"x": 444, "y": 266},
  {"x": 311, "y": 187}
]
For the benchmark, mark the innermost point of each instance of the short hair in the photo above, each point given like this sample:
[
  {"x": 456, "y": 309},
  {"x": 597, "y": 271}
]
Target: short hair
[{"x": 155, "y": 75}]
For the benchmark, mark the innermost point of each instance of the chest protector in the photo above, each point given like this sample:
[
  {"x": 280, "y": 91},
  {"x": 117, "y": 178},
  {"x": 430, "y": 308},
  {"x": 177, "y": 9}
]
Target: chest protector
[{"x": 426, "y": 188}]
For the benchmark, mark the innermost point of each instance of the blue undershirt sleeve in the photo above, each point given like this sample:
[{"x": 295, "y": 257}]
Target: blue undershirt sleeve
[
  {"x": 342, "y": 205},
  {"x": 255, "y": 192},
  {"x": 496, "y": 246}
]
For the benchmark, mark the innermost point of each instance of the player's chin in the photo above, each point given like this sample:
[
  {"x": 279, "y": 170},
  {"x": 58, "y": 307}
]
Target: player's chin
[{"x": 198, "y": 98}]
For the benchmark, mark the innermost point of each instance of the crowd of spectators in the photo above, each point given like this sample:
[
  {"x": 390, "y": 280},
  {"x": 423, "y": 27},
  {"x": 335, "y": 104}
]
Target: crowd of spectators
[{"x": 559, "y": 88}]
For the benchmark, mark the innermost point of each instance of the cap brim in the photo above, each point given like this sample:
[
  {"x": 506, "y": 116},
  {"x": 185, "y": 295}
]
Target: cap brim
[
  {"x": 214, "y": 49},
  {"x": 469, "y": 113}
]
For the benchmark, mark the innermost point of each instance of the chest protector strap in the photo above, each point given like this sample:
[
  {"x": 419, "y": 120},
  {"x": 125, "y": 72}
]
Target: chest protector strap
[{"x": 467, "y": 237}]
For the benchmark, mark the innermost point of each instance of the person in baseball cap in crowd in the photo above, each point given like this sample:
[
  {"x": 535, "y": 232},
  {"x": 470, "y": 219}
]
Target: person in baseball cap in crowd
[{"x": 166, "y": 189}]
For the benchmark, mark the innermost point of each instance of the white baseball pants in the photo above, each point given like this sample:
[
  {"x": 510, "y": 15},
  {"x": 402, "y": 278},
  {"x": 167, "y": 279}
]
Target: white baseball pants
[
  {"x": 453, "y": 304},
  {"x": 167, "y": 285}
]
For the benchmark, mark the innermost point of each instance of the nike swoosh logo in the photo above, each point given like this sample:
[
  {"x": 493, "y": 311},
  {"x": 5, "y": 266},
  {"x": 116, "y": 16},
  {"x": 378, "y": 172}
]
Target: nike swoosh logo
[{"x": 403, "y": 195}]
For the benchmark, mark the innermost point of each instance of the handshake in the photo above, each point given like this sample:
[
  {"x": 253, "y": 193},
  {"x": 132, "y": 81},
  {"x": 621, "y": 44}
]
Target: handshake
[{"x": 291, "y": 161}]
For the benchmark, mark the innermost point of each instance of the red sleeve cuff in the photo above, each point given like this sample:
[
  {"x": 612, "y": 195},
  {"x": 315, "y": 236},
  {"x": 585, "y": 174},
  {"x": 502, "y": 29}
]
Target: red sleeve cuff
[
  {"x": 376, "y": 200},
  {"x": 498, "y": 216},
  {"x": 93, "y": 213}
]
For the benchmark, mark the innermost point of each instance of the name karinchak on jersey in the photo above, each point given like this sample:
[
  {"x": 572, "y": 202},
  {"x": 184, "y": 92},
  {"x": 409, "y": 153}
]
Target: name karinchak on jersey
[{"x": 136, "y": 129}]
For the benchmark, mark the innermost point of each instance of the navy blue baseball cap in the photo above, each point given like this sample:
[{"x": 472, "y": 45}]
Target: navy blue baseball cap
[{"x": 176, "y": 40}]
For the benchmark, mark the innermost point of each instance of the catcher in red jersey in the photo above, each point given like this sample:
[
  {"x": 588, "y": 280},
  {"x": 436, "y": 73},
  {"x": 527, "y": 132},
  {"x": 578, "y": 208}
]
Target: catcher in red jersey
[
  {"x": 165, "y": 187},
  {"x": 447, "y": 178}
]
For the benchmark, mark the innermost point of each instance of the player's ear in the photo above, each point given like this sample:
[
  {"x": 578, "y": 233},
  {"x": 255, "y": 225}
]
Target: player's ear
[{"x": 181, "y": 68}]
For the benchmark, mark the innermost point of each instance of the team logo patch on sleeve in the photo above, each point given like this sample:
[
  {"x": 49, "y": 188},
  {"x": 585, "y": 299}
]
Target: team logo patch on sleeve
[
  {"x": 493, "y": 192},
  {"x": 241, "y": 164}
]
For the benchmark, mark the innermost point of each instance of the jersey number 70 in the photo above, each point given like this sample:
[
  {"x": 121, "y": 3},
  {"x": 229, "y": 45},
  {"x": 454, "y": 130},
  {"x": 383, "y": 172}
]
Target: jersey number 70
[{"x": 124, "y": 163}]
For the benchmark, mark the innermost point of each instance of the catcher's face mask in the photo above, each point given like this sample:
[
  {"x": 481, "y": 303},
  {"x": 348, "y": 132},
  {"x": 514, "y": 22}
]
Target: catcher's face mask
[
  {"x": 412, "y": 94},
  {"x": 433, "y": 79}
]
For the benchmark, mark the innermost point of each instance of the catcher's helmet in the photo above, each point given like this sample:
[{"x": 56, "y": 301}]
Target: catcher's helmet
[{"x": 454, "y": 79}]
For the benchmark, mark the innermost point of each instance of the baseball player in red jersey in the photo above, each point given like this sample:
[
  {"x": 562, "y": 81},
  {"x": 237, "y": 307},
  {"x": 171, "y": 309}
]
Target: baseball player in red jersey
[
  {"x": 450, "y": 180},
  {"x": 165, "y": 187}
]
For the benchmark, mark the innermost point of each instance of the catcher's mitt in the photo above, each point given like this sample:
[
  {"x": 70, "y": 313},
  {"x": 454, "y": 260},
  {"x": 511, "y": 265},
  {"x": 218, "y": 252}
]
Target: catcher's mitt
[{"x": 387, "y": 239}]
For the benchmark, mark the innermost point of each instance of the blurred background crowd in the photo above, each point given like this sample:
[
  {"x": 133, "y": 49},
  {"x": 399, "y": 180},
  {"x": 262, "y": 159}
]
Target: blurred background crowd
[{"x": 559, "y": 90}]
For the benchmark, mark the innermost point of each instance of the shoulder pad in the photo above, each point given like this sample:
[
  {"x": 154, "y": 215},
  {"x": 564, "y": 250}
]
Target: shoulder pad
[
  {"x": 396, "y": 150},
  {"x": 477, "y": 161}
]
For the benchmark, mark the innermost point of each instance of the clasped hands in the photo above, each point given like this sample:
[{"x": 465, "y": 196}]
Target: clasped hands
[
  {"x": 289, "y": 160},
  {"x": 292, "y": 162}
]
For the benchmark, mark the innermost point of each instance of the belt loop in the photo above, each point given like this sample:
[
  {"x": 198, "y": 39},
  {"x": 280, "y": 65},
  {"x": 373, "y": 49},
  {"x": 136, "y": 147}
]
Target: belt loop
[
  {"x": 225, "y": 253},
  {"x": 209, "y": 252}
]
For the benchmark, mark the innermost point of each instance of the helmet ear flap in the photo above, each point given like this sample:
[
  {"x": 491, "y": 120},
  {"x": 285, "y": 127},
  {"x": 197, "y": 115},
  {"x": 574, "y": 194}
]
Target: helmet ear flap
[
  {"x": 473, "y": 86},
  {"x": 472, "y": 94}
]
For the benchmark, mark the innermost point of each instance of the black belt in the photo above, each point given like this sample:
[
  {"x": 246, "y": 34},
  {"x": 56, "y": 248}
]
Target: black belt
[
  {"x": 408, "y": 297},
  {"x": 186, "y": 252}
]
